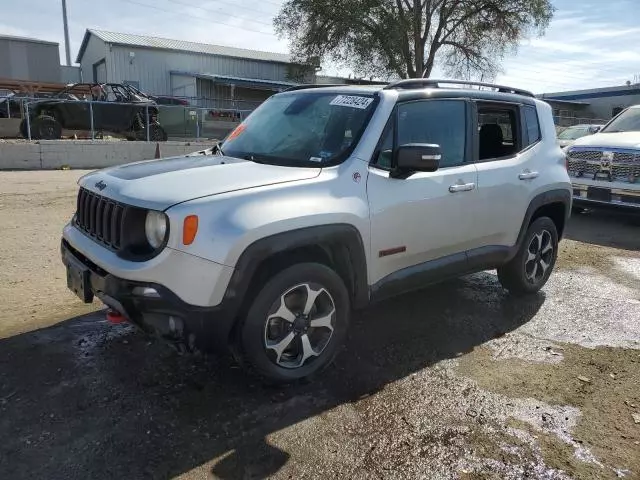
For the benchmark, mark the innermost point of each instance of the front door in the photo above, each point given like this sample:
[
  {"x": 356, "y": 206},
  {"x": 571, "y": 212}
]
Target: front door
[{"x": 423, "y": 217}]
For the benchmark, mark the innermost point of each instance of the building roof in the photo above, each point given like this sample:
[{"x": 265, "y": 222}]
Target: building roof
[
  {"x": 27, "y": 39},
  {"x": 239, "y": 81},
  {"x": 144, "y": 41},
  {"x": 619, "y": 91}
]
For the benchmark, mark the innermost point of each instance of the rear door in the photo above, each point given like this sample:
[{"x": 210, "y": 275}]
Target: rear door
[
  {"x": 507, "y": 141},
  {"x": 421, "y": 218}
]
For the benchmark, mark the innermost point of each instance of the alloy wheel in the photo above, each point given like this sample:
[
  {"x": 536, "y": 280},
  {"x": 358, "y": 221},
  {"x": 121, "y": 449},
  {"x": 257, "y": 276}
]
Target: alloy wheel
[
  {"x": 539, "y": 256},
  {"x": 300, "y": 326}
]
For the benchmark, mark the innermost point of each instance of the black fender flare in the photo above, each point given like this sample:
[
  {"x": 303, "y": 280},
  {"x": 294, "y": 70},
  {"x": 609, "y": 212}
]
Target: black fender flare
[
  {"x": 563, "y": 196},
  {"x": 343, "y": 240}
]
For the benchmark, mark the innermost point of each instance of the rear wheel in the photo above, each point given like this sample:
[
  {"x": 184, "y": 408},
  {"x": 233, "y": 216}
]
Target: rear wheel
[
  {"x": 295, "y": 325},
  {"x": 530, "y": 269},
  {"x": 156, "y": 133},
  {"x": 45, "y": 127}
]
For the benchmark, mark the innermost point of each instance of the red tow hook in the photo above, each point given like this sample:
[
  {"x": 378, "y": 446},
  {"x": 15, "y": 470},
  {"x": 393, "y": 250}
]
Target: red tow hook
[{"x": 115, "y": 317}]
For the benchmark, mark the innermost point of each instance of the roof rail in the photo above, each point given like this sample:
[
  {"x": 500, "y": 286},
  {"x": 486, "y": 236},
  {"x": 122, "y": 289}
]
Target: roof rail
[
  {"x": 432, "y": 82},
  {"x": 315, "y": 85}
]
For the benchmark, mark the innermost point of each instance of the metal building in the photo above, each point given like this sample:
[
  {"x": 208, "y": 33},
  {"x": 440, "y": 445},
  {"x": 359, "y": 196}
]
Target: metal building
[
  {"x": 29, "y": 59},
  {"x": 595, "y": 103},
  {"x": 210, "y": 75}
]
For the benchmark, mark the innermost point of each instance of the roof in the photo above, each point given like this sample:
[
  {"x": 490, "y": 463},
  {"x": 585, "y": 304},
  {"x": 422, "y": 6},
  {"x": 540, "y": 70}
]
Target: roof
[
  {"x": 557, "y": 100},
  {"x": 240, "y": 81},
  {"x": 144, "y": 41},
  {"x": 619, "y": 91},
  {"x": 27, "y": 39}
]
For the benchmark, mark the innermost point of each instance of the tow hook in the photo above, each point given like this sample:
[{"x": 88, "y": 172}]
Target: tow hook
[{"x": 115, "y": 317}]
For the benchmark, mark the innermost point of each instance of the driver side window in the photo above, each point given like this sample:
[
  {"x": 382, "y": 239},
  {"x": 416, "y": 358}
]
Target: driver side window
[{"x": 441, "y": 122}]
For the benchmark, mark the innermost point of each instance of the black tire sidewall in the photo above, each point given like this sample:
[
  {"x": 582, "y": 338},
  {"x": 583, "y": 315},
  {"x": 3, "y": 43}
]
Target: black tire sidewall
[
  {"x": 252, "y": 331},
  {"x": 542, "y": 223},
  {"x": 40, "y": 122}
]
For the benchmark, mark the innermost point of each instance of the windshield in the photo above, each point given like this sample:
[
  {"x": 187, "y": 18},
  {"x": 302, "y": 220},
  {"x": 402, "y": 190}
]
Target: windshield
[
  {"x": 301, "y": 129},
  {"x": 627, "y": 121},
  {"x": 573, "y": 133}
]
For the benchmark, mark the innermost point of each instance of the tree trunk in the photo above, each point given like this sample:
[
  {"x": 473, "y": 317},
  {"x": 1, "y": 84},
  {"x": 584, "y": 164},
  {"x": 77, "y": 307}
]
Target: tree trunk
[{"x": 417, "y": 38}]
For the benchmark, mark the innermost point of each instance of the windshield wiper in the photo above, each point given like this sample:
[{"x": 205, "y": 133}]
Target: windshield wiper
[{"x": 217, "y": 149}]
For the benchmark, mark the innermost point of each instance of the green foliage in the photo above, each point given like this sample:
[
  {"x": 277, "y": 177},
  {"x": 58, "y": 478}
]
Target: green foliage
[{"x": 405, "y": 38}]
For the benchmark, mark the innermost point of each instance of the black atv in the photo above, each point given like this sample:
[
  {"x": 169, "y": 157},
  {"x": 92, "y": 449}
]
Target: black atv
[{"x": 117, "y": 108}]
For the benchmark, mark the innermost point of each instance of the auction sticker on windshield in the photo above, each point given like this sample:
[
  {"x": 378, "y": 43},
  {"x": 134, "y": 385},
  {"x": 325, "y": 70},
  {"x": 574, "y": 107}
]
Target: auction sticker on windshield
[{"x": 352, "y": 101}]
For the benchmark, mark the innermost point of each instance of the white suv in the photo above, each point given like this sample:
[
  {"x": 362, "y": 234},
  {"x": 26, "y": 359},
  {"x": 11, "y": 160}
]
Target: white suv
[
  {"x": 605, "y": 167},
  {"x": 322, "y": 201}
]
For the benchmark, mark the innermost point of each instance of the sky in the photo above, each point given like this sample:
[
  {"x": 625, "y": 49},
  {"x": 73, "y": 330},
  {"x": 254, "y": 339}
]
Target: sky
[{"x": 589, "y": 43}]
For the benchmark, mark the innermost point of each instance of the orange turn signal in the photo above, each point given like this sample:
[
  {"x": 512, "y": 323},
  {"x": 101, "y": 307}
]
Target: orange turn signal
[{"x": 190, "y": 229}]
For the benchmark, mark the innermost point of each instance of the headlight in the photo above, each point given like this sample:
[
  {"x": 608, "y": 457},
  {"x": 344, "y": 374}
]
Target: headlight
[{"x": 155, "y": 228}]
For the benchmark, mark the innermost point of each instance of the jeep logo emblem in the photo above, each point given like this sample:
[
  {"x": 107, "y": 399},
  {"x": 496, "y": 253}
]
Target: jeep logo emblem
[{"x": 101, "y": 185}]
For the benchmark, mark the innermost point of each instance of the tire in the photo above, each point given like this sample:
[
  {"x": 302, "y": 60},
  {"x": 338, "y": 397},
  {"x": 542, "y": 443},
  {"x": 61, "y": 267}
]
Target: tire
[
  {"x": 23, "y": 128},
  {"x": 156, "y": 134},
  {"x": 45, "y": 127},
  {"x": 524, "y": 274},
  {"x": 280, "y": 350}
]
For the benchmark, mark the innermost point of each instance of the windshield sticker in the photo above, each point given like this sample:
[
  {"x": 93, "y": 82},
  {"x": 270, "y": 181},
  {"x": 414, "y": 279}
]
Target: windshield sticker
[
  {"x": 315, "y": 159},
  {"x": 352, "y": 101},
  {"x": 238, "y": 130}
]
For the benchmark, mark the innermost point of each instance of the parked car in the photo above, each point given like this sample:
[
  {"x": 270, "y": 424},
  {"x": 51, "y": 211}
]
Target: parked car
[
  {"x": 322, "y": 201},
  {"x": 605, "y": 167},
  {"x": 118, "y": 108},
  {"x": 570, "y": 134}
]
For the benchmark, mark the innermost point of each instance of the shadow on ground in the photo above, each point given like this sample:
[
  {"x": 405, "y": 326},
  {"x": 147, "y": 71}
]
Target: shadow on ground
[
  {"x": 607, "y": 228},
  {"x": 87, "y": 400}
]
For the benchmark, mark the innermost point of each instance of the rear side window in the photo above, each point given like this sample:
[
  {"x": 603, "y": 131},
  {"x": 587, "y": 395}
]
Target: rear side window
[
  {"x": 497, "y": 131},
  {"x": 532, "y": 124}
]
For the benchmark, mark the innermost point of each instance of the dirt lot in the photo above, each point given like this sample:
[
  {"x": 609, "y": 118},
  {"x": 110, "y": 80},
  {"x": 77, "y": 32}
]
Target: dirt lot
[{"x": 458, "y": 381}]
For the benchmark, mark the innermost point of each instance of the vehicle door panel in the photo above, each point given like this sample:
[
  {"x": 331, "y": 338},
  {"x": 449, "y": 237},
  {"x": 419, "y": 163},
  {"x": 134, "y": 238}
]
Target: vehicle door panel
[
  {"x": 503, "y": 196},
  {"x": 419, "y": 219}
]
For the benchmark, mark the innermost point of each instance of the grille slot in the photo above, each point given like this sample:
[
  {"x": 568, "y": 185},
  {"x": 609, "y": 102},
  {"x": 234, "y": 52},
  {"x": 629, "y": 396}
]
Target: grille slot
[{"x": 101, "y": 218}]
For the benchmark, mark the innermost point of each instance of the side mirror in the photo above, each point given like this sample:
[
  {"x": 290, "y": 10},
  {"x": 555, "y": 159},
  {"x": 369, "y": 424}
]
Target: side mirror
[{"x": 417, "y": 157}]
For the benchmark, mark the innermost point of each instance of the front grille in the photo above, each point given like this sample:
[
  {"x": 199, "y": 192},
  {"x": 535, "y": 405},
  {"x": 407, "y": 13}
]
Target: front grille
[
  {"x": 100, "y": 218},
  {"x": 625, "y": 166}
]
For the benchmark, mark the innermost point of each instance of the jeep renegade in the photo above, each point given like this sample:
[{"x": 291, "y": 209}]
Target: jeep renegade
[{"x": 322, "y": 201}]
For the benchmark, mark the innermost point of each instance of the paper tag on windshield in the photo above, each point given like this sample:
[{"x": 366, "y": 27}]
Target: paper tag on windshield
[{"x": 352, "y": 101}]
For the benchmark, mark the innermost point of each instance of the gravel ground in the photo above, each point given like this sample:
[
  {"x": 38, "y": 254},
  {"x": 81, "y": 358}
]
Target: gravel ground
[{"x": 457, "y": 381}]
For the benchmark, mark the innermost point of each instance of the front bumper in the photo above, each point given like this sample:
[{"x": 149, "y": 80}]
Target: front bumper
[
  {"x": 159, "y": 311},
  {"x": 607, "y": 195}
]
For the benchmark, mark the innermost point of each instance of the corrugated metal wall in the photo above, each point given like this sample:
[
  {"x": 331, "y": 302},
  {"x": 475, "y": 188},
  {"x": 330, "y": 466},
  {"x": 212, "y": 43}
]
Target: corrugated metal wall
[
  {"x": 69, "y": 74},
  {"x": 29, "y": 60},
  {"x": 96, "y": 50},
  {"x": 151, "y": 67}
]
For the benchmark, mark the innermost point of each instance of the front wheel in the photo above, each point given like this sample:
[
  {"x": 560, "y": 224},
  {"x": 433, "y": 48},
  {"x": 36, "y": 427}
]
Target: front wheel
[
  {"x": 530, "y": 269},
  {"x": 296, "y": 324}
]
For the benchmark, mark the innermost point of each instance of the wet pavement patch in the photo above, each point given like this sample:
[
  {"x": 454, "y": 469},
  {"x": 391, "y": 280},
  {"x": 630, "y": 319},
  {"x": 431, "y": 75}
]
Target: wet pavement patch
[{"x": 603, "y": 383}]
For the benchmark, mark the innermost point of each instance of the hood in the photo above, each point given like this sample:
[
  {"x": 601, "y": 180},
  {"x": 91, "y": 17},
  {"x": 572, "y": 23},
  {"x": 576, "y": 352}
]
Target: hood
[
  {"x": 159, "y": 184},
  {"x": 565, "y": 143},
  {"x": 610, "y": 140}
]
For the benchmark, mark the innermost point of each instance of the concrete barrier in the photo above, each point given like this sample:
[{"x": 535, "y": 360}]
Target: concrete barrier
[{"x": 85, "y": 154}]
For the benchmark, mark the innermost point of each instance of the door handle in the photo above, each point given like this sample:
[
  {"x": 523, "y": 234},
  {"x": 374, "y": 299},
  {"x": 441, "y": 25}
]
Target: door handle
[
  {"x": 462, "y": 187},
  {"x": 527, "y": 175}
]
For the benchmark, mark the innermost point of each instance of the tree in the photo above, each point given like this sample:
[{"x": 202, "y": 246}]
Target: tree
[{"x": 406, "y": 38}]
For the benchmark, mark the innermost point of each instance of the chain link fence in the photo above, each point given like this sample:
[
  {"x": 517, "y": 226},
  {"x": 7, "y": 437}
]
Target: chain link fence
[{"x": 185, "y": 118}]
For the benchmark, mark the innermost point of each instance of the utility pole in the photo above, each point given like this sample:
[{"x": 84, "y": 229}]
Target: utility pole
[{"x": 66, "y": 32}]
